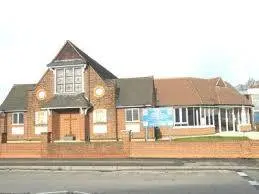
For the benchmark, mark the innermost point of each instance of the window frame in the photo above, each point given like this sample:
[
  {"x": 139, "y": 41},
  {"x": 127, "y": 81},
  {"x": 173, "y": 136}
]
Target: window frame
[
  {"x": 132, "y": 121},
  {"x": 35, "y": 119},
  {"x": 18, "y": 118},
  {"x": 181, "y": 123},
  {"x": 95, "y": 121},
  {"x": 64, "y": 84}
]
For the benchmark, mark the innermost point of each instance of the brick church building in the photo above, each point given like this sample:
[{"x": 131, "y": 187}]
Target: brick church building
[{"x": 78, "y": 99}]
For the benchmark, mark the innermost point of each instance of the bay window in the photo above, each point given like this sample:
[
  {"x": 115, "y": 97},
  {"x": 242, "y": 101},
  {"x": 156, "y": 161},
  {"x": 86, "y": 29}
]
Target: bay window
[{"x": 69, "y": 80}]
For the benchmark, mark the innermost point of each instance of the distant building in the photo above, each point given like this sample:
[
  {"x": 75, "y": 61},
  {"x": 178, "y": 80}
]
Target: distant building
[{"x": 253, "y": 91}]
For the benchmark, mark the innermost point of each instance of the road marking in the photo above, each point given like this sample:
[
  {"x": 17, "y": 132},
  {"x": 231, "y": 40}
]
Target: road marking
[
  {"x": 254, "y": 183},
  {"x": 65, "y": 192},
  {"x": 242, "y": 174},
  {"x": 53, "y": 192}
]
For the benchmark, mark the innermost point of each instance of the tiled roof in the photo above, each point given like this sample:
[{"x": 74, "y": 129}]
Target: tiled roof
[
  {"x": 16, "y": 100},
  {"x": 196, "y": 91},
  {"x": 66, "y": 63},
  {"x": 68, "y": 101},
  {"x": 135, "y": 91}
]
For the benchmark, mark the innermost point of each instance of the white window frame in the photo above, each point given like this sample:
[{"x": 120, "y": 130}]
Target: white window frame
[
  {"x": 95, "y": 116},
  {"x": 185, "y": 123},
  {"x": 18, "y": 118},
  {"x": 132, "y": 121},
  {"x": 37, "y": 114},
  {"x": 64, "y": 81}
]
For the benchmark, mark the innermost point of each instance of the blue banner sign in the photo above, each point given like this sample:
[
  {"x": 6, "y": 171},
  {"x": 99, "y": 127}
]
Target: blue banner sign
[
  {"x": 256, "y": 117},
  {"x": 155, "y": 117}
]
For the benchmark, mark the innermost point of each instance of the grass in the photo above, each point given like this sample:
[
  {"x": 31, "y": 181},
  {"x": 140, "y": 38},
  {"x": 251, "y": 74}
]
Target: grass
[{"x": 209, "y": 138}]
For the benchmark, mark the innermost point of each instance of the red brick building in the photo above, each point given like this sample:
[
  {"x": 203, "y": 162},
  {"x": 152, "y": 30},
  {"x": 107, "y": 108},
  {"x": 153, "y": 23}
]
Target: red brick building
[{"x": 78, "y": 99}]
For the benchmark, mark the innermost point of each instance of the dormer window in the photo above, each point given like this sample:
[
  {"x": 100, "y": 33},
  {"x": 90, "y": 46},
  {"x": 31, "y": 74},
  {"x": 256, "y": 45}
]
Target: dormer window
[{"x": 69, "y": 80}]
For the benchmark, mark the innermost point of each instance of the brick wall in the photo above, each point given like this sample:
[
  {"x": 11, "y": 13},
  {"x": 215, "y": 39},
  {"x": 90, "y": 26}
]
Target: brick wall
[
  {"x": 224, "y": 149},
  {"x": 186, "y": 131},
  {"x": 126, "y": 149},
  {"x": 20, "y": 150},
  {"x": 86, "y": 150},
  {"x": 107, "y": 101},
  {"x": 135, "y": 135},
  {"x": 34, "y": 104},
  {"x": 10, "y": 135},
  {"x": 63, "y": 150},
  {"x": 245, "y": 128},
  {"x": 2, "y": 123}
]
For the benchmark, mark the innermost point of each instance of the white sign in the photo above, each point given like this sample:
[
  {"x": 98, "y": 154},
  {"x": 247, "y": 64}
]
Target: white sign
[
  {"x": 17, "y": 130},
  {"x": 40, "y": 129},
  {"x": 99, "y": 116},
  {"x": 41, "y": 117},
  {"x": 100, "y": 128},
  {"x": 134, "y": 127}
]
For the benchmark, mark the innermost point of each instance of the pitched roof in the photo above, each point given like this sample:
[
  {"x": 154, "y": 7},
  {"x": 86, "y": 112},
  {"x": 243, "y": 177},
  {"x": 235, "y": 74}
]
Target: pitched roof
[
  {"x": 197, "y": 91},
  {"x": 135, "y": 91},
  {"x": 77, "y": 56},
  {"x": 16, "y": 100},
  {"x": 68, "y": 101}
]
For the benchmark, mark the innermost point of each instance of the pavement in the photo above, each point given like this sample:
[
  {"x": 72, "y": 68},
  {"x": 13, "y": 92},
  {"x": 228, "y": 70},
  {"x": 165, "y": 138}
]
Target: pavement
[
  {"x": 251, "y": 134},
  {"x": 128, "y": 164},
  {"x": 131, "y": 182}
]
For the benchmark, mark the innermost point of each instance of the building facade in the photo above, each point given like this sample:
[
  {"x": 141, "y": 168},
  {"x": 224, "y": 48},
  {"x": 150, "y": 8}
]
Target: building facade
[{"x": 77, "y": 99}]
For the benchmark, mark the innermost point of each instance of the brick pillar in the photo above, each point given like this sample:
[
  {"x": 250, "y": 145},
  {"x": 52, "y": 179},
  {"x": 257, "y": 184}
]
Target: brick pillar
[
  {"x": 126, "y": 136},
  {"x": 126, "y": 139},
  {"x": 46, "y": 138},
  {"x": 82, "y": 127},
  {"x": 3, "y": 137}
]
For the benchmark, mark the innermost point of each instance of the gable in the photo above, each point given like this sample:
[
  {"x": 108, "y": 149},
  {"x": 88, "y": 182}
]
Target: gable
[
  {"x": 67, "y": 52},
  {"x": 71, "y": 55},
  {"x": 220, "y": 83}
]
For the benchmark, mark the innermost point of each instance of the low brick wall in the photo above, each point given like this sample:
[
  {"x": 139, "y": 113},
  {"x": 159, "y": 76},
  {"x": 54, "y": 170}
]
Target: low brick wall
[
  {"x": 223, "y": 149},
  {"x": 245, "y": 128},
  {"x": 85, "y": 150},
  {"x": 127, "y": 149},
  {"x": 20, "y": 150},
  {"x": 64, "y": 150},
  {"x": 185, "y": 131}
]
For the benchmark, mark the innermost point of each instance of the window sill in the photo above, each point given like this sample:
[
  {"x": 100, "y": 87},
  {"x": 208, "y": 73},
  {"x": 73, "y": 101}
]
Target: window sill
[{"x": 194, "y": 127}]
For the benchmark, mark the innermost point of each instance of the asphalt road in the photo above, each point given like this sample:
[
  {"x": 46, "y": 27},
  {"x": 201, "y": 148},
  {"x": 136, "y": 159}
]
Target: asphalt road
[
  {"x": 130, "y": 162},
  {"x": 133, "y": 182}
]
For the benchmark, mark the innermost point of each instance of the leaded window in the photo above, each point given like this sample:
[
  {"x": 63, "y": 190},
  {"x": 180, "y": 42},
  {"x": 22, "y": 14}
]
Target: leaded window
[{"x": 69, "y": 80}]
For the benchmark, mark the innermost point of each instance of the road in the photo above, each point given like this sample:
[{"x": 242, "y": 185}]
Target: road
[
  {"x": 133, "y": 182},
  {"x": 131, "y": 162}
]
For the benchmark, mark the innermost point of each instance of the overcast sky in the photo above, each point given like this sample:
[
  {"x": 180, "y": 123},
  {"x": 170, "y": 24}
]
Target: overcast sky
[{"x": 132, "y": 38}]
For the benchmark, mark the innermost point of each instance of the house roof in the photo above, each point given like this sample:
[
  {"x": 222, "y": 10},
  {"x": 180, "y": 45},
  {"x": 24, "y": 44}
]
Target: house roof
[
  {"x": 197, "y": 91},
  {"x": 16, "y": 100},
  {"x": 68, "y": 101},
  {"x": 80, "y": 58},
  {"x": 135, "y": 91}
]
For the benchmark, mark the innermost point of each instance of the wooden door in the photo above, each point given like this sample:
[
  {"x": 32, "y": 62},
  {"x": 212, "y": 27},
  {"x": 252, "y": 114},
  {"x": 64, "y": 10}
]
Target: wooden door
[{"x": 69, "y": 123}]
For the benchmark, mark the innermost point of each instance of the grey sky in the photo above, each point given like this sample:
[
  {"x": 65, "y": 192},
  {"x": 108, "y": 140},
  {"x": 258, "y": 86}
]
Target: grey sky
[{"x": 132, "y": 38}]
